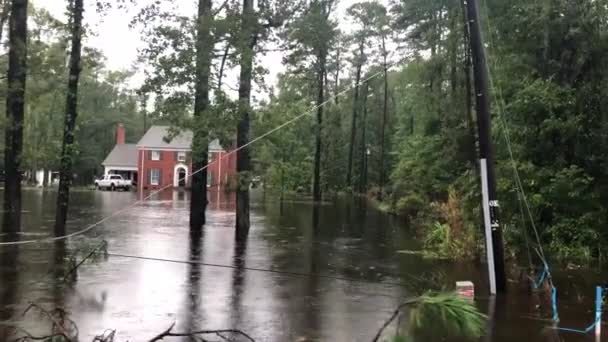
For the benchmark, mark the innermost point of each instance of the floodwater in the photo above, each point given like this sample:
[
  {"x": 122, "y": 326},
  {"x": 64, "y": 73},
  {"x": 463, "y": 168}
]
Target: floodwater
[{"x": 292, "y": 280}]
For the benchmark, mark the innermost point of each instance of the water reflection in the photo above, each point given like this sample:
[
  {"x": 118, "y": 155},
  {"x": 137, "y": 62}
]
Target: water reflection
[
  {"x": 140, "y": 298},
  {"x": 238, "y": 285},
  {"x": 193, "y": 291},
  {"x": 9, "y": 284}
]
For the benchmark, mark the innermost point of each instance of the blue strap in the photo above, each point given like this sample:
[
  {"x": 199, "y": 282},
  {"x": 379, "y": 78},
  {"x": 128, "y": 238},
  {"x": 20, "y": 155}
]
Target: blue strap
[
  {"x": 541, "y": 278},
  {"x": 586, "y": 331},
  {"x": 598, "y": 315},
  {"x": 554, "y": 302}
]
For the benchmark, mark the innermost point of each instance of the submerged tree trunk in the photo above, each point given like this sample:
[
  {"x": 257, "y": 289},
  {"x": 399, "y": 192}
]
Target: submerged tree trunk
[
  {"x": 13, "y": 148},
  {"x": 243, "y": 158},
  {"x": 353, "y": 124},
  {"x": 71, "y": 113},
  {"x": 200, "y": 141}
]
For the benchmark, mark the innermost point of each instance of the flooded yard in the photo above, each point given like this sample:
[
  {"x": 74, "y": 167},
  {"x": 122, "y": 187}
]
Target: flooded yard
[{"x": 290, "y": 281}]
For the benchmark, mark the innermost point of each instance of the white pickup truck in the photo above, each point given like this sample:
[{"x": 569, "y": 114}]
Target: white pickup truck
[{"x": 113, "y": 182}]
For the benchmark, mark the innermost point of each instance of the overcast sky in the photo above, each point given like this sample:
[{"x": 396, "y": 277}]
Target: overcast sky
[{"x": 119, "y": 43}]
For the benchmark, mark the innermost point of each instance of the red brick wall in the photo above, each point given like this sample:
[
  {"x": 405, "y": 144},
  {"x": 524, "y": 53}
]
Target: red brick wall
[
  {"x": 226, "y": 165},
  {"x": 167, "y": 166}
]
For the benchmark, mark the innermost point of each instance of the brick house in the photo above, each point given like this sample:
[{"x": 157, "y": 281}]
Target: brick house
[
  {"x": 162, "y": 163},
  {"x": 154, "y": 162},
  {"x": 122, "y": 160}
]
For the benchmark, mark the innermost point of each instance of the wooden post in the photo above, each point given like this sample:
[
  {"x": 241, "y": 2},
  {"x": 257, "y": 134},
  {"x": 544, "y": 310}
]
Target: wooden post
[{"x": 486, "y": 148}]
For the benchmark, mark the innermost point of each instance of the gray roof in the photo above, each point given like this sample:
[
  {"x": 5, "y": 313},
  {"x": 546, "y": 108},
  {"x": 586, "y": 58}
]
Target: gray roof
[
  {"x": 155, "y": 138},
  {"x": 124, "y": 155}
]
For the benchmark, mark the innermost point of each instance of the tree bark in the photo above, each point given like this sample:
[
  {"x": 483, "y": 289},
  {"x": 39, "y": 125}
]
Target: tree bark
[
  {"x": 363, "y": 164},
  {"x": 6, "y": 8},
  {"x": 467, "y": 88},
  {"x": 16, "y": 77},
  {"x": 337, "y": 75},
  {"x": 321, "y": 60},
  {"x": 243, "y": 158},
  {"x": 220, "y": 76},
  {"x": 71, "y": 113},
  {"x": 200, "y": 142},
  {"x": 384, "y": 118},
  {"x": 353, "y": 125}
]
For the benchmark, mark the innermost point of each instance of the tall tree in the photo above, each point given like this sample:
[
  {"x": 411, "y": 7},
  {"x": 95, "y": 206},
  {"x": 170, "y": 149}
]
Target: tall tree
[
  {"x": 358, "y": 61},
  {"x": 5, "y": 7},
  {"x": 320, "y": 9},
  {"x": 364, "y": 144},
  {"x": 382, "y": 31},
  {"x": 243, "y": 159},
  {"x": 252, "y": 31},
  {"x": 71, "y": 113},
  {"x": 13, "y": 148},
  {"x": 200, "y": 142}
]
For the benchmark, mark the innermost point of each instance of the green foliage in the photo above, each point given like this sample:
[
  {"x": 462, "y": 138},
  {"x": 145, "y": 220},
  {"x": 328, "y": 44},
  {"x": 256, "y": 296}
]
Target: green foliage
[
  {"x": 103, "y": 102},
  {"x": 439, "y": 315},
  {"x": 547, "y": 88}
]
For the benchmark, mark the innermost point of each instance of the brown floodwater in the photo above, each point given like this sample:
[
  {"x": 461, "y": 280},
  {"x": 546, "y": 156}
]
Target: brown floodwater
[{"x": 336, "y": 278}]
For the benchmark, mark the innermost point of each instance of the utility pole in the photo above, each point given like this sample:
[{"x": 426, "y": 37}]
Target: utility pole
[{"x": 494, "y": 244}]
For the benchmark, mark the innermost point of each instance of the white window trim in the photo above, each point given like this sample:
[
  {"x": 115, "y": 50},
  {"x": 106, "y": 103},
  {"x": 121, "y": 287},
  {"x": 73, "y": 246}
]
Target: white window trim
[
  {"x": 155, "y": 155},
  {"x": 152, "y": 174},
  {"x": 181, "y": 156}
]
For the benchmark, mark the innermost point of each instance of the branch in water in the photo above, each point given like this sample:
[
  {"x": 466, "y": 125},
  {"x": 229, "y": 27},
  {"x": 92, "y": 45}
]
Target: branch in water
[
  {"x": 393, "y": 316},
  {"x": 193, "y": 334}
]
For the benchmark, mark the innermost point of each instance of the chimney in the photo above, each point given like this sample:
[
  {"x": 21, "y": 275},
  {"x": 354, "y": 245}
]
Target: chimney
[{"x": 120, "y": 134}]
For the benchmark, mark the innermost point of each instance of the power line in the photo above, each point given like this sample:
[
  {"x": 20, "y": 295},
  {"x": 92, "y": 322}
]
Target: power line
[
  {"x": 506, "y": 134},
  {"x": 255, "y": 269},
  {"x": 277, "y": 128}
]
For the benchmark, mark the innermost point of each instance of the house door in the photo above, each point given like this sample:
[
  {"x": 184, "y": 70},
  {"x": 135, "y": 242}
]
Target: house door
[{"x": 181, "y": 174}]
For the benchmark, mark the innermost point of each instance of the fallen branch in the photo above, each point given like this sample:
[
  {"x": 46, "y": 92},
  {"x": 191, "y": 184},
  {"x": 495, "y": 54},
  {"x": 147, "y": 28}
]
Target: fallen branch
[
  {"x": 30, "y": 337},
  {"x": 103, "y": 245},
  {"x": 193, "y": 334},
  {"x": 105, "y": 338},
  {"x": 393, "y": 316},
  {"x": 58, "y": 318}
]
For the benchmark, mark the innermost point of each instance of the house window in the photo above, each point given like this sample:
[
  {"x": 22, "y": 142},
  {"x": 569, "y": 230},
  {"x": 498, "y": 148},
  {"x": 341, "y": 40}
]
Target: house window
[
  {"x": 209, "y": 179},
  {"x": 181, "y": 156},
  {"x": 155, "y": 155},
  {"x": 154, "y": 176}
]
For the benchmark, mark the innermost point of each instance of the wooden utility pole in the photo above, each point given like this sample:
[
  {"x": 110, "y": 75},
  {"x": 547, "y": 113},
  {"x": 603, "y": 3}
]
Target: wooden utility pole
[{"x": 494, "y": 244}]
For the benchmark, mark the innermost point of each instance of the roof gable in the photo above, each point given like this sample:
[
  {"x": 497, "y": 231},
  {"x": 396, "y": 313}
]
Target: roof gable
[
  {"x": 155, "y": 139},
  {"x": 124, "y": 155}
]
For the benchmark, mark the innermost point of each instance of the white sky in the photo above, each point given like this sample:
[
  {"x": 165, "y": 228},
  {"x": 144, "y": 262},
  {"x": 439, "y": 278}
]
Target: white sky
[{"x": 120, "y": 44}]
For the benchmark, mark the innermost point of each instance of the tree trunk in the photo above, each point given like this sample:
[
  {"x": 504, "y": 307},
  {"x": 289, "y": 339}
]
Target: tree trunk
[
  {"x": 243, "y": 158},
  {"x": 5, "y": 8},
  {"x": 467, "y": 88},
  {"x": 71, "y": 113},
  {"x": 46, "y": 174},
  {"x": 337, "y": 76},
  {"x": 220, "y": 74},
  {"x": 384, "y": 118},
  {"x": 321, "y": 60},
  {"x": 200, "y": 141},
  {"x": 16, "y": 76},
  {"x": 353, "y": 125},
  {"x": 363, "y": 165}
]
